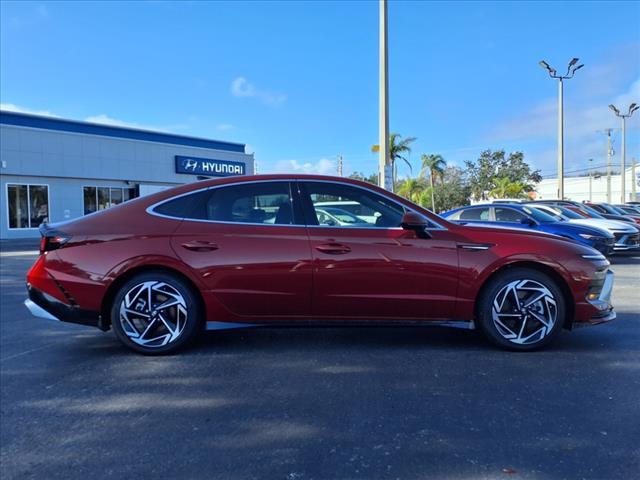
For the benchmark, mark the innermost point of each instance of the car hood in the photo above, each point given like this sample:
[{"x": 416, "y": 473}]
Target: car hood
[{"x": 606, "y": 224}]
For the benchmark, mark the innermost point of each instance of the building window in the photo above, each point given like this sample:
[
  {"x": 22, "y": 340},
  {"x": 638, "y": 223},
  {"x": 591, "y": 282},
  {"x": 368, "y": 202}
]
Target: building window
[
  {"x": 28, "y": 205},
  {"x": 99, "y": 198}
]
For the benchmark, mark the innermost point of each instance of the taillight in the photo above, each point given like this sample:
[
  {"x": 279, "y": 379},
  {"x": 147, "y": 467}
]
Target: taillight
[{"x": 53, "y": 241}]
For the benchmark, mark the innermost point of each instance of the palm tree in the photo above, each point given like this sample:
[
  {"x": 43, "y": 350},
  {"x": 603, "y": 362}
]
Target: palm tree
[
  {"x": 435, "y": 164},
  {"x": 398, "y": 149},
  {"x": 505, "y": 188},
  {"x": 412, "y": 188}
]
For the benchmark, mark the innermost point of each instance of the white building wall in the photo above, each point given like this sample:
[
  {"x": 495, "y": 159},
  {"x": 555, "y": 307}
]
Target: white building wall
[
  {"x": 68, "y": 161},
  {"x": 578, "y": 189}
]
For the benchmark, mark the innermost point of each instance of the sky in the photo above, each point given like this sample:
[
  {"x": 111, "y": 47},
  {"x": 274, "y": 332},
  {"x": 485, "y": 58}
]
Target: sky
[{"x": 298, "y": 81}]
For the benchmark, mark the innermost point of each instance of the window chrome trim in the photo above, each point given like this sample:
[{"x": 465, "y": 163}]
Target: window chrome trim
[{"x": 150, "y": 209}]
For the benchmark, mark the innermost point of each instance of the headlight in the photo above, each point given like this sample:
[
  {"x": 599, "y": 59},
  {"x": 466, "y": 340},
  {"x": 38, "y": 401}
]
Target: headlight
[
  {"x": 593, "y": 256},
  {"x": 587, "y": 236}
]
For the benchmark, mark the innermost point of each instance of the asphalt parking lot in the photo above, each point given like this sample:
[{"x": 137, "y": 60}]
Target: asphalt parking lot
[{"x": 298, "y": 404}]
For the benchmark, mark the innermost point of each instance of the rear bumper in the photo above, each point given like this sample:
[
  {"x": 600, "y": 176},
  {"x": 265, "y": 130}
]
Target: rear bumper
[{"x": 45, "y": 306}]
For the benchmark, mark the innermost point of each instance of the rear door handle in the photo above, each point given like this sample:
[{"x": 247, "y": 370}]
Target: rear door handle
[
  {"x": 333, "y": 248},
  {"x": 200, "y": 246}
]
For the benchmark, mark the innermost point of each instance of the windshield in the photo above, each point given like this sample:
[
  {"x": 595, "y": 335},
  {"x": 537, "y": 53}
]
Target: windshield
[
  {"x": 610, "y": 209},
  {"x": 591, "y": 211},
  {"x": 552, "y": 213},
  {"x": 568, "y": 213},
  {"x": 538, "y": 215},
  {"x": 619, "y": 211},
  {"x": 342, "y": 215}
]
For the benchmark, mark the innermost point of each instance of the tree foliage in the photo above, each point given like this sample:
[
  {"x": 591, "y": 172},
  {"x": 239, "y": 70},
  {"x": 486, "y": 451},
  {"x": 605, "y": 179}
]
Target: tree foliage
[
  {"x": 399, "y": 149},
  {"x": 371, "y": 178},
  {"x": 451, "y": 192},
  {"x": 505, "y": 188},
  {"x": 492, "y": 165},
  {"x": 434, "y": 164},
  {"x": 412, "y": 189}
]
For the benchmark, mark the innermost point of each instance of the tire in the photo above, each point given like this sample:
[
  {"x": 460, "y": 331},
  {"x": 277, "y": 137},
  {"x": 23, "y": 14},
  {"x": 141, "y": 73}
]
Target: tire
[
  {"x": 532, "y": 321},
  {"x": 156, "y": 331}
]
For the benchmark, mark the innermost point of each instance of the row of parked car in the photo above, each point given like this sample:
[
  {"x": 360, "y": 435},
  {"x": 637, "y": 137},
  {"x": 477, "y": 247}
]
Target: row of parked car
[{"x": 607, "y": 228}]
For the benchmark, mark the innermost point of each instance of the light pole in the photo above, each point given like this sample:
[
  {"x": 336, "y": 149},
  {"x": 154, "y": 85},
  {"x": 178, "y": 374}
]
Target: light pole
[
  {"x": 590, "y": 181},
  {"x": 632, "y": 108},
  {"x": 571, "y": 70},
  {"x": 385, "y": 175}
]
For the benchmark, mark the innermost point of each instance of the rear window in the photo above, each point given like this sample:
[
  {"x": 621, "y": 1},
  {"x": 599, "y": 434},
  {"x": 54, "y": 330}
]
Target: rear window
[{"x": 184, "y": 206}]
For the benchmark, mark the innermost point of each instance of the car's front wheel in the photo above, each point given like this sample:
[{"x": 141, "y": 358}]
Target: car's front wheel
[
  {"x": 521, "y": 309},
  {"x": 155, "y": 313}
]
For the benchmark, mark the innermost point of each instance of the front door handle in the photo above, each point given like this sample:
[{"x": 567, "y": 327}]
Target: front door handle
[
  {"x": 200, "y": 246},
  {"x": 333, "y": 248}
]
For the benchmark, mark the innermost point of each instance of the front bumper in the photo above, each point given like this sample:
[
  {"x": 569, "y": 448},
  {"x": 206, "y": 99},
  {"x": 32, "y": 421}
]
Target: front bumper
[
  {"x": 602, "y": 303},
  {"x": 42, "y": 305},
  {"x": 626, "y": 241}
]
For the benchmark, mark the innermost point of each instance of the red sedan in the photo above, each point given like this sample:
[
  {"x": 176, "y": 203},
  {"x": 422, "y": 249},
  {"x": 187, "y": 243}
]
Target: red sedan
[{"x": 247, "y": 251}]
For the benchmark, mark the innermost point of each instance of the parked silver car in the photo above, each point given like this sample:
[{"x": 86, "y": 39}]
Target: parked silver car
[{"x": 625, "y": 234}]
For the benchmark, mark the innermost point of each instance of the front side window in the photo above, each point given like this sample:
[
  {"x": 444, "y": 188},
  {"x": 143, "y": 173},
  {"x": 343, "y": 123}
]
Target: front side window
[
  {"x": 509, "y": 215},
  {"x": 338, "y": 205},
  {"x": 28, "y": 205}
]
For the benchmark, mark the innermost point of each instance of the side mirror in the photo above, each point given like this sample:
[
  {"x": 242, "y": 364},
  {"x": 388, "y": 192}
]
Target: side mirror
[
  {"x": 529, "y": 222},
  {"x": 417, "y": 223}
]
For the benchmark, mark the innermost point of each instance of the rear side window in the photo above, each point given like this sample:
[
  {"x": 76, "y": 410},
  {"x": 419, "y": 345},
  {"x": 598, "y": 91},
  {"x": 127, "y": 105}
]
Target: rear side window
[
  {"x": 255, "y": 203},
  {"x": 267, "y": 203},
  {"x": 475, "y": 214}
]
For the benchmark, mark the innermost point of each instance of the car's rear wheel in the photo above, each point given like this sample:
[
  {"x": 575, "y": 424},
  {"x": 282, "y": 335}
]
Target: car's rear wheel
[
  {"x": 521, "y": 309},
  {"x": 155, "y": 313}
]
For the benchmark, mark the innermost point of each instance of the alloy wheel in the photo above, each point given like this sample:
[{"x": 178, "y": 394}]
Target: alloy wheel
[
  {"x": 153, "y": 314},
  {"x": 524, "y": 312}
]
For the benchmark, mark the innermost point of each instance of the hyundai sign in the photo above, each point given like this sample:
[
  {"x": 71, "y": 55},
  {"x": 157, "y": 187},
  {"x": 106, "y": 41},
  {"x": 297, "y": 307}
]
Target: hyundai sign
[{"x": 208, "y": 167}]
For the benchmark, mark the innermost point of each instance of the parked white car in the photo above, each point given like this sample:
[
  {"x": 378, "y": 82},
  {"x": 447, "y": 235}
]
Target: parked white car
[{"x": 625, "y": 233}]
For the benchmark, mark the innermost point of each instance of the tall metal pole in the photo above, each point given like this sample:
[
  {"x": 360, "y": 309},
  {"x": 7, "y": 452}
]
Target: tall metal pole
[
  {"x": 609, "y": 152},
  {"x": 572, "y": 68},
  {"x": 385, "y": 174},
  {"x": 560, "y": 142},
  {"x": 632, "y": 108},
  {"x": 623, "y": 161},
  {"x": 634, "y": 180},
  {"x": 590, "y": 181}
]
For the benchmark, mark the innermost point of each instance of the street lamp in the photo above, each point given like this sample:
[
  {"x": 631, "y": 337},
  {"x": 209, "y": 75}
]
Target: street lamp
[
  {"x": 572, "y": 68},
  {"x": 632, "y": 108}
]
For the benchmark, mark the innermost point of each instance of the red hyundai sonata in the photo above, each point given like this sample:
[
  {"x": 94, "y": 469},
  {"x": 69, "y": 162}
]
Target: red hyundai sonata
[{"x": 307, "y": 250}]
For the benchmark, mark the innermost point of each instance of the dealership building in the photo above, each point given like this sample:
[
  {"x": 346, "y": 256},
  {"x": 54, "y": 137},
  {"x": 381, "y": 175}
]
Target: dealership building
[{"x": 53, "y": 169}]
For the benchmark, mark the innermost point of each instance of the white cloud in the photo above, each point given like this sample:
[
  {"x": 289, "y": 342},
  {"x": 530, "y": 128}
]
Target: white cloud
[
  {"x": 101, "y": 118},
  {"x": 12, "y": 107},
  {"x": 583, "y": 119},
  {"x": 613, "y": 80},
  {"x": 242, "y": 88},
  {"x": 107, "y": 120},
  {"x": 324, "y": 166}
]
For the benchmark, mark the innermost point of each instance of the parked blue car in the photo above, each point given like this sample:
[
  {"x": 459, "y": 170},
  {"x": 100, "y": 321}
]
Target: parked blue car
[{"x": 523, "y": 216}]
